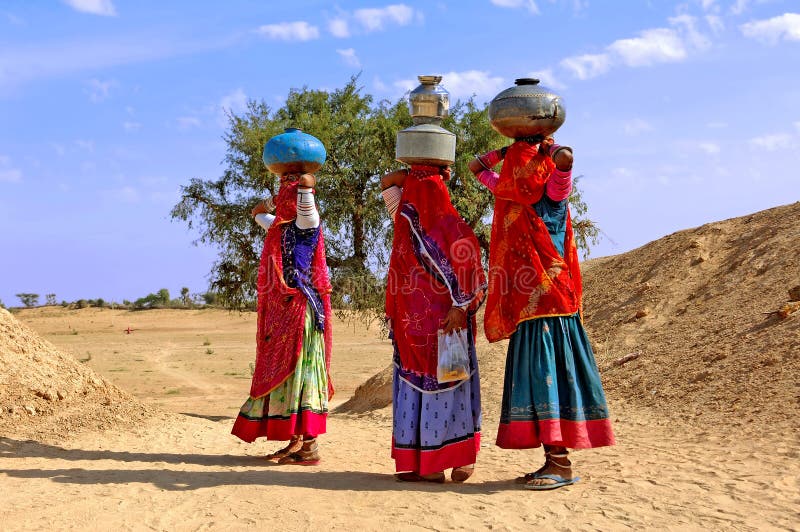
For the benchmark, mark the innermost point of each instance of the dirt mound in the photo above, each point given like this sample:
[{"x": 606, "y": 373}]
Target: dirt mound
[
  {"x": 700, "y": 324},
  {"x": 375, "y": 393},
  {"x": 45, "y": 394}
]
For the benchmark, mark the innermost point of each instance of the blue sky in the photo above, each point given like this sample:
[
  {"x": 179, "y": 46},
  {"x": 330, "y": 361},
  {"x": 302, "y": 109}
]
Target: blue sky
[{"x": 680, "y": 113}]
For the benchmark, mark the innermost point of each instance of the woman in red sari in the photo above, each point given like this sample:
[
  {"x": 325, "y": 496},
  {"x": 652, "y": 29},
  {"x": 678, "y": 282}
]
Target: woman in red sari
[
  {"x": 435, "y": 282},
  {"x": 291, "y": 383},
  {"x": 552, "y": 394}
]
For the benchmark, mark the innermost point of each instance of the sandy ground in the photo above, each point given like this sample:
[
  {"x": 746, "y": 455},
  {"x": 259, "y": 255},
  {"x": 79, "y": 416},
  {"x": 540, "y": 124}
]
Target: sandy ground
[{"x": 182, "y": 470}]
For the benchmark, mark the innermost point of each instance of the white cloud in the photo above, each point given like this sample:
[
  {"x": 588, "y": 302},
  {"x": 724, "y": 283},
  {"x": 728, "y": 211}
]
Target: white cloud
[
  {"x": 710, "y": 148},
  {"x": 687, "y": 26},
  {"x": 290, "y": 31},
  {"x": 530, "y": 5},
  {"x": 773, "y": 142},
  {"x": 95, "y": 7},
  {"x": 379, "y": 85},
  {"x": 188, "y": 122},
  {"x": 19, "y": 64},
  {"x": 715, "y": 23},
  {"x": 375, "y": 19},
  {"x": 350, "y": 58},
  {"x": 773, "y": 30},
  {"x": 235, "y": 101},
  {"x": 339, "y": 27},
  {"x": 739, "y": 6},
  {"x": 131, "y": 126},
  {"x": 636, "y": 126},
  {"x": 621, "y": 172},
  {"x": 547, "y": 78},
  {"x": 100, "y": 90},
  {"x": 7, "y": 173},
  {"x": 126, "y": 194},
  {"x": 649, "y": 47},
  {"x": 14, "y": 19},
  {"x": 708, "y": 4},
  {"x": 588, "y": 65},
  {"x": 652, "y": 46},
  {"x": 10, "y": 175},
  {"x": 87, "y": 145}
]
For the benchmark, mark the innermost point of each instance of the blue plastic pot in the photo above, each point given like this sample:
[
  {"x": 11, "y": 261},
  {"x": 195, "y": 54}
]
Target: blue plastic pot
[{"x": 294, "y": 152}]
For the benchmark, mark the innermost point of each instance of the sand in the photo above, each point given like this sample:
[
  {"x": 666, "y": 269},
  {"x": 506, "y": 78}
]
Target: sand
[{"x": 713, "y": 452}]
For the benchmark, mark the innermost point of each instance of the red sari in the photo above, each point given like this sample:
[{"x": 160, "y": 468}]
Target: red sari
[
  {"x": 527, "y": 277},
  {"x": 281, "y": 314}
]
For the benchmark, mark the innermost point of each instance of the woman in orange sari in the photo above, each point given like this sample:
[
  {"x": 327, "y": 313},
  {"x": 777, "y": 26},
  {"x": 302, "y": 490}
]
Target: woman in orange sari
[{"x": 552, "y": 394}]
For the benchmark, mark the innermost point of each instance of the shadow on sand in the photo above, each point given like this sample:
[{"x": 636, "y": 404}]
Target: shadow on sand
[{"x": 258, "y": 472}]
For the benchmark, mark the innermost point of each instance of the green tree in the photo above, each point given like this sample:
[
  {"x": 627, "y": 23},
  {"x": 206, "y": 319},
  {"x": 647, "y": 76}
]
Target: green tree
[
  {"x": 28, "y": 299},
  {"x": 359, "y": 137},
  {"x": 51, "y": 299},
  {"x": 185, "y": 296},
  {"x": 163, "y": 297}
]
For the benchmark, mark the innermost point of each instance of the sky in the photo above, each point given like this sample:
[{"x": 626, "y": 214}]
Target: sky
[{"x": 680, "y": 113}]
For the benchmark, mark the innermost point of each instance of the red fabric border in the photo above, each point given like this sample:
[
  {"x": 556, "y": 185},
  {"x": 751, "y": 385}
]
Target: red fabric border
[
  {"x": 426, "y": 462},
  {"x": 558, "y": 432},
  {"x": 308, "y": 423}
]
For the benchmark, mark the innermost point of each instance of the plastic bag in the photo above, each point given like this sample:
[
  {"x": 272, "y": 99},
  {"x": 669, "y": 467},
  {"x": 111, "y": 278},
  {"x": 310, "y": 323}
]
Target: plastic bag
[{"x": 453, "y": 356}]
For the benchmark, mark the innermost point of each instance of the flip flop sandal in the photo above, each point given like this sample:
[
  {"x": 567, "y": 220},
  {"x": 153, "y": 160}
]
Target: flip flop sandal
[
  {"x": 559, "y": 482},
  {"x": 461, "y": 474},
  {"x": 547, "y": 461}
]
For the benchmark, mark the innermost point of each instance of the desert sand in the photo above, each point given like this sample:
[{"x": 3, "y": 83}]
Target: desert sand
[{"x": 101, "y": 429}]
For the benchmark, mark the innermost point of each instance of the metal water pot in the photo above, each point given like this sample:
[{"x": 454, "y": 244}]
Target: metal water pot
[
  {"x": 426, "y": 142},
  {"x": 294, "y": 152},
  {"x": 527, "y": 110}
]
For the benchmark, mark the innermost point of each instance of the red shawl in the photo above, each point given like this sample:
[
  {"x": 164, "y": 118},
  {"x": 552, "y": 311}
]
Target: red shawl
[
  {"x": 281, "y": 308},
  {"x": 527, "y": 277},
  {"x": 435, "y": 262}
]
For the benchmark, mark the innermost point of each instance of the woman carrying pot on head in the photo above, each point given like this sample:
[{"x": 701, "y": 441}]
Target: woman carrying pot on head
[
  {"x": 291, "y": 383},
  {"x": 552, "y": 394},
  {"x": 435, "y": 283}
]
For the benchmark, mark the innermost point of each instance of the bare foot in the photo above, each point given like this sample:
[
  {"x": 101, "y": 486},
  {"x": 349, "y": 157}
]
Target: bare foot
[{"x": 461, "y": 474}]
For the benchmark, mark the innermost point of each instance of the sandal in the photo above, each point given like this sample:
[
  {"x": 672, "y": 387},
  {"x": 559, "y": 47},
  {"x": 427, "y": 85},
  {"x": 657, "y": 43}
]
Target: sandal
[
  {"x": 530, "y": 476},
  {"x": 295, "y": 444},
  {"x": 411, "y": 476},
  {"x": 307, "y": 455},
  {"x": 558, "y": 482},
  {"x": 461, "y": 474}
]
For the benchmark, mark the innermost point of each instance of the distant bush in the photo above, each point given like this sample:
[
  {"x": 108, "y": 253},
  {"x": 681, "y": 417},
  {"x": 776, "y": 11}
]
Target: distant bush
[{"x": 28, "y": 299}]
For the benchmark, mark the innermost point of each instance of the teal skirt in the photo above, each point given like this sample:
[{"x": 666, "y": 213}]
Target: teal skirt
[{"x": 552, "y": 393}]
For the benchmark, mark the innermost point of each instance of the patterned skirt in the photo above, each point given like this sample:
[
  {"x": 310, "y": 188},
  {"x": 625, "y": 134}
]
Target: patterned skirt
[
  {"x": 435, "y": 429},
  {"x": 552, "y": 393},
  {"x": 299, "y": 406}
]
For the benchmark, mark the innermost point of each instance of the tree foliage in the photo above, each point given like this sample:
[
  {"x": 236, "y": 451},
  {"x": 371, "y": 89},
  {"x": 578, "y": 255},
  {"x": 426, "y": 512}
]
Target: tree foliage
[
  {"x": 359, "y": 135},
  {"x": 28, "y": 299}
]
